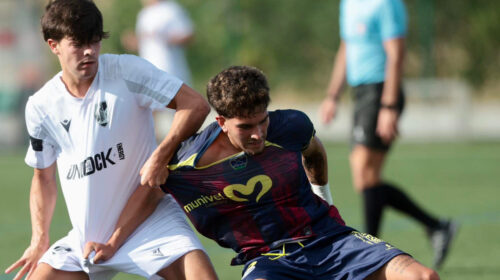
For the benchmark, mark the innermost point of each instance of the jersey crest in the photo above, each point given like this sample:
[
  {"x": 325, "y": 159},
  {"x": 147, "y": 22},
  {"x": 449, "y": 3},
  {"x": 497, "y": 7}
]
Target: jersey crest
[
  {"x": 239, "y": 162},
  {"x": 101, "y": 113}
]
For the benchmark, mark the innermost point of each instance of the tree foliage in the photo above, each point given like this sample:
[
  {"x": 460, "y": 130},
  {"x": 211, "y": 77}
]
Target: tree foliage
[{"x": 294, "y": 41}]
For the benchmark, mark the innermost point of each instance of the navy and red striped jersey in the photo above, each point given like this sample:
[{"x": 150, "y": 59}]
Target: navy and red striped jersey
[{"x": 252, "y": 203}]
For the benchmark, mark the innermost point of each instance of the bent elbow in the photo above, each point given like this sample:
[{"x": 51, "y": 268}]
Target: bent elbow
[{"x": 203, "y": 108}]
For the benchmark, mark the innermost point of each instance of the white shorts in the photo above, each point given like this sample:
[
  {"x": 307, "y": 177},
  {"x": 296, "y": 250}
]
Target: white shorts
[{"x": 160, "y": 240}]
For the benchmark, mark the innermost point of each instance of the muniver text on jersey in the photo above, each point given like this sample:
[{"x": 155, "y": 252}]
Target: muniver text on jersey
[{"x": 235, "y": 192}]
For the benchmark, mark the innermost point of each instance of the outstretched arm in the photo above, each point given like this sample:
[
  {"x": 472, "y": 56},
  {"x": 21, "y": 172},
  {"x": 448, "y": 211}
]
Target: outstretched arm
[
  {"x": 43, "y": 196},
  {"x": 316, "y": 166}
]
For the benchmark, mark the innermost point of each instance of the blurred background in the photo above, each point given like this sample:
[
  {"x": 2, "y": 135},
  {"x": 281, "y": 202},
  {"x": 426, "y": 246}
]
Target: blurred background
[
  {"x": 451, "y": 70},
  {"x": 450, "y": 144}
]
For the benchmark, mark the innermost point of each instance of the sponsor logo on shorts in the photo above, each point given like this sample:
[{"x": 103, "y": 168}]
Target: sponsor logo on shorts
[
  {"x": 61, "y": 250},
  {"x": 95, "y": 163},
  {"x": 157, "y": 252},
  {"x": 254, "y": 190},
  {"x": 370, "y": 239}
]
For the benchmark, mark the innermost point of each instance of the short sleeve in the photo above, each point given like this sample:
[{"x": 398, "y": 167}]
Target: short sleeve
[
  {"x": 43, "y": 150},
  {"x": 290, "y": 129},
  {"x": 393, "y": 19},
  {"x": 153, "y": 87}
]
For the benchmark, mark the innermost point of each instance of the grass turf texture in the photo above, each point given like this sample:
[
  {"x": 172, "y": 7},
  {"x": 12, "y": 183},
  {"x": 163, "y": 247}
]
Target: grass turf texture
[{"x": 459, "y": 180}]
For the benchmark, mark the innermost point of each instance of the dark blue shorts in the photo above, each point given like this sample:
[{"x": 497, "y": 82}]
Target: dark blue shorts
[{"x": 351, "y": 255}]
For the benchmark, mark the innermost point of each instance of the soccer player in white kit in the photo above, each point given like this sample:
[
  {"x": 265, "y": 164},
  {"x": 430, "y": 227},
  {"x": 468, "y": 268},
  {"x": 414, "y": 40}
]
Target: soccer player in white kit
[{"x": 93, "y": 123}]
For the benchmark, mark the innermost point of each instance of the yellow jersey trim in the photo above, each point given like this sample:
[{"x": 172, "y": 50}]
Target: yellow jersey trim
[
  {"x": 187, "y": 162},
  {"x": 219, "y": 161},
  {"x": 190, "y": 160}
]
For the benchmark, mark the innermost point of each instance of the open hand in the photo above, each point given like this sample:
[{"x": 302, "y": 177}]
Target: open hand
[
  {"x": 328, "y": 110},
  {"x": 28, "y": 262},
  {"x": 387, "y": 125}
]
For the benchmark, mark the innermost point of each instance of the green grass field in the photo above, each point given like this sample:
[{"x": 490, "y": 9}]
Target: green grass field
[{"x": 459, "y": 180}]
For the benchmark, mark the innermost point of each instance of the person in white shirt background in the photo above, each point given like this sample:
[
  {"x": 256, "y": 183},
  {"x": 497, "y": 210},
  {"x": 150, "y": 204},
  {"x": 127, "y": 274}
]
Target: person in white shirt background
[{"x": 163, "y": 31}]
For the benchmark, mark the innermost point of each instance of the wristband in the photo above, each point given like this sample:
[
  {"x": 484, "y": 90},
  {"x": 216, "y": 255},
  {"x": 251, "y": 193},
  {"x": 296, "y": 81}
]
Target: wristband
[
  {"x": 389, "y": 107},
  {"x": 323, "y": 192},
  {"x": 335, "y": 98}
]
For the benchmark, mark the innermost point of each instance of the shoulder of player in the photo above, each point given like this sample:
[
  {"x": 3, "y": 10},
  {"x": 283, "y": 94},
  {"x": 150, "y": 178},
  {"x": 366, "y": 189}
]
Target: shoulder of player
[
  {"x": 46, "y": 96},
  {"x": 289, "y": 117},
  {"x": 119, "y": 66},
  {"x": 196, "y": 143},
  {"x": 290, "y": 129},
  {"x": 37, "y": 111}
]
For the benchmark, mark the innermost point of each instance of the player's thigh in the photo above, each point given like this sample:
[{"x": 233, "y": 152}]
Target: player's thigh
[
  {"x": 193, "y": 265},
  {"x": 403, "y": 267},
  {"x": 366, "y": 165},
  {"x": 44, "y": 271}
]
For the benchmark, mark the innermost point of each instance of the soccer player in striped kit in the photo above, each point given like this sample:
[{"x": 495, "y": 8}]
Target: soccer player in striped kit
[{"x": 246, "y": 180}]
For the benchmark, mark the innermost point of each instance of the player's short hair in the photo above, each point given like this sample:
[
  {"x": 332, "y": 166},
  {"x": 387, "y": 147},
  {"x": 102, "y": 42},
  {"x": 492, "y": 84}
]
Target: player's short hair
[
  {"x": 79, "y": 20},
  {"x": 238, "y": 91}
]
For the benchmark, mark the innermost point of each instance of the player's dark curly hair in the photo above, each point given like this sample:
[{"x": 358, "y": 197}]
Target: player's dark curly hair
[
  {"x": 239, "y": 91},
  {"x": 79, "y": 20}
]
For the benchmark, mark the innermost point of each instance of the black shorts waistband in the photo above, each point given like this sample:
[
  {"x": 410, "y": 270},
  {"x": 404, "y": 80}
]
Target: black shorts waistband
[{"x": 372, "y": 85}]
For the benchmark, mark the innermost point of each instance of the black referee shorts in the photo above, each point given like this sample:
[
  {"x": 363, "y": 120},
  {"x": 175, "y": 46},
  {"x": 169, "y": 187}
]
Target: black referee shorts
[{"x": 366, "y": 108}]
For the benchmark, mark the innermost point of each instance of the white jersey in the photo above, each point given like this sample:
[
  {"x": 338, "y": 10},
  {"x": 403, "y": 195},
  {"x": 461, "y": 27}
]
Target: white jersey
[
  {"x": 155, "y": 24},
  {"x": 101, "y": 141}
]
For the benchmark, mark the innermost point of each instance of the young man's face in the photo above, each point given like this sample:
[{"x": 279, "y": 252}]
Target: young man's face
[
  {"x": 78, "y": 62},
  {"x": 246, "y": 134}
]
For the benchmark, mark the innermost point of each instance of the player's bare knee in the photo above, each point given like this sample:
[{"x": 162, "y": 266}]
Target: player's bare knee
[
  {"x": 428, "y": 274},
  {"x": 364, "y": 177},
  {"x": 424, "y": 273},
  {"x": 200, "y": 267},
  {"x": 359, "y": 181},
  {"x": 365, "y": 182}
]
